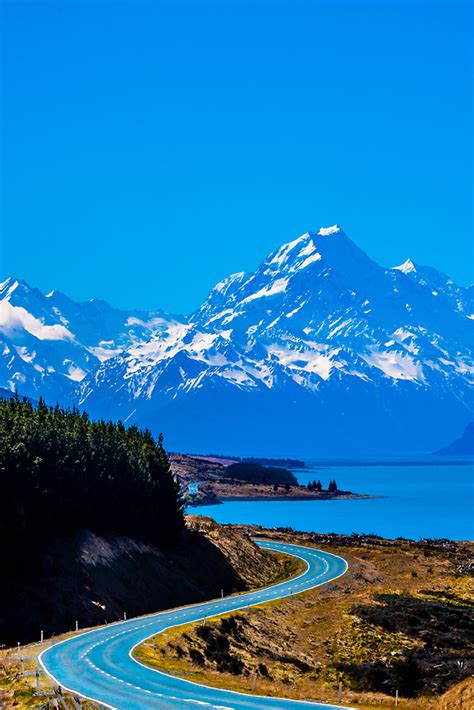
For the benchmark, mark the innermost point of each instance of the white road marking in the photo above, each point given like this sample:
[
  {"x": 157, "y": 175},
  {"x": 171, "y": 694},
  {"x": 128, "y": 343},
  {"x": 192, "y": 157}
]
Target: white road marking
[{"x": 208, "y": 609}]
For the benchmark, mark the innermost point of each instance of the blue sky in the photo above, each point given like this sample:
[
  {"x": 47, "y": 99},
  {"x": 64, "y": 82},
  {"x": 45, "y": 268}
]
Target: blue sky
[{"x": 152, "y": 148}]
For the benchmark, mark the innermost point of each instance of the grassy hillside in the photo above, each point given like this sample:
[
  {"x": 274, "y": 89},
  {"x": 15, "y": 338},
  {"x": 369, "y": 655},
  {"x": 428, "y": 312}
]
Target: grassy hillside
[{"x": 400, "y": 619}]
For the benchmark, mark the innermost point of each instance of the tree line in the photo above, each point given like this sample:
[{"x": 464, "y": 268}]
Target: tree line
[
  {"x": 256, "y": 473},
  {"x": 318, "y": 486},
  {"x": 61, "y": 472}
]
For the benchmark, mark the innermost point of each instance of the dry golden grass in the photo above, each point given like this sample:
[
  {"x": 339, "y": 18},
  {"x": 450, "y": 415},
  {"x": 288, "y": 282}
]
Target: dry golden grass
[
  {"x": 17, "y": 691},
  {"x": 319, "y": 629}
]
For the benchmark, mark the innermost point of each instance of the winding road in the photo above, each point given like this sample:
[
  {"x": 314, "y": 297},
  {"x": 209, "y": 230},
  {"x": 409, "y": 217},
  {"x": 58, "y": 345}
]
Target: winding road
[{"x": 99, "y": 664}]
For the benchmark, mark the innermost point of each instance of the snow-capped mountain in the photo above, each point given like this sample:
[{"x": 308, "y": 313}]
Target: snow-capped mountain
[
  {"x": 320, "y": 351},
  {"x": 48, "y": 343}
]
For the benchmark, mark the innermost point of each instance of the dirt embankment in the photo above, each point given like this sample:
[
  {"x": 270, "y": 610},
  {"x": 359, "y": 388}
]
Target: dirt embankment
[
  {"x": 95, "y": 579},
  {"x": 190, "y": 469},
  {"x": 400, "y": 619}
]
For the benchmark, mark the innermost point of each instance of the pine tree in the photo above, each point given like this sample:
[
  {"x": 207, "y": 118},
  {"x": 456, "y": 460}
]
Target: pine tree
[{"x": 61, "y": 472}]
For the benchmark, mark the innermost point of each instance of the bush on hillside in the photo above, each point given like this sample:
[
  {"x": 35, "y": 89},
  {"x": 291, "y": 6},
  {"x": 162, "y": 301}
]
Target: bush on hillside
[{"x": 256, "y": 473}]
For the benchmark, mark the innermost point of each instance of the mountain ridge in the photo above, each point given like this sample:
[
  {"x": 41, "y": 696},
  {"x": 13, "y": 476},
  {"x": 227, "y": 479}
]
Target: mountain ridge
[
  {"x": 319, "y": 332},
  {"x": 50, "y": 342}
]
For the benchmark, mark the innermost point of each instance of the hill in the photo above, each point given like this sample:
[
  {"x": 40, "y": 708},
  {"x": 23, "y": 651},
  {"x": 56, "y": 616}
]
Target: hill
[
  {"x": 463, "y": 446},
  {"x": 92, "y": 526},
  {"x": 400, "y": 619},
  {"x": 61, "y": 473},
  {"x": 94, "y": 578},
  {"x": 256, "y": 473}
]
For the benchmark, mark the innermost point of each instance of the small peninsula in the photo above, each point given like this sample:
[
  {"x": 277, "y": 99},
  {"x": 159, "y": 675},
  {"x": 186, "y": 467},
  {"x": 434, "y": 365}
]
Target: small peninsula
[{"x": 209, "y": 481}]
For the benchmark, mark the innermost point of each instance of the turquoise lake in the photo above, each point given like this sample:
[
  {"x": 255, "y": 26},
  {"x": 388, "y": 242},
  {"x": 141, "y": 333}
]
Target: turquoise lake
[{"x": 415, "y": 501}]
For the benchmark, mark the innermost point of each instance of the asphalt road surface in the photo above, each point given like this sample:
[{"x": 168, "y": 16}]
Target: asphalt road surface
[{"x": 99, "y": 664}]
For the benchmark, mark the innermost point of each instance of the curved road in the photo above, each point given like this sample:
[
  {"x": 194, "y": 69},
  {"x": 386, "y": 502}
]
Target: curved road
[{"x": 99, "y": 665}]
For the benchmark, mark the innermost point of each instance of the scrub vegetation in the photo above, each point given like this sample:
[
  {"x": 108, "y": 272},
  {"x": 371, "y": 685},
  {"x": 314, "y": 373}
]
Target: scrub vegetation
[
  {"x": 400, "y": 619},
  {"x": 256, "y": 473}
]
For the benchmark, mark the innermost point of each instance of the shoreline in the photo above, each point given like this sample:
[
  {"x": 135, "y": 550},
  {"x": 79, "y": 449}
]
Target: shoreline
[
  {"x": 323, "y": 462},
  {"x": 349, "y": 496},
  {"x": 221, "y": 499}
]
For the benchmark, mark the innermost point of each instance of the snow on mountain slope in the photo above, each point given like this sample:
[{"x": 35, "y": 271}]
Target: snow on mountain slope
[
  {"x": 319, "y": 349},
  {"x": 48, "y": 343}
]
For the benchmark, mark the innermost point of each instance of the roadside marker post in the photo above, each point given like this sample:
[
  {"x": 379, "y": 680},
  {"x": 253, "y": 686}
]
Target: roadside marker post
[
  {"x": 19, "y": 650},
  {"x": 59, "y": 694},
  {"x": 339, "y": 692},
  {"x": 396, "y": 698},
  {"x": 77, "y": 625},
  {"x": 240, "y": 603},
  {"x": 222, "y": 594},
  {"x": 37, "y": 682},
  {"x": 42, "y": 636}
]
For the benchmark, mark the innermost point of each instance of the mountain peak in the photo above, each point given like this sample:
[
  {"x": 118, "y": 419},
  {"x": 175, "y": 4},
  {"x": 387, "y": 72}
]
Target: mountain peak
[
  {"x": 301, "y": 246},
  {"x": 8, "y": 286},
  {"x": 317, "y": 331},
  {"x": 326, "y": 231},
  {"x": 406, "y": 268}
]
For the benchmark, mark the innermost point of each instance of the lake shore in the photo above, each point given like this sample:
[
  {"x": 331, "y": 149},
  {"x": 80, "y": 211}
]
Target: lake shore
[
  {"x": 412, "y": 502},
  {"x": 295, "y": 497},
  {"x": 214, "y": 492},
  {"x": 203, "y": 482}
]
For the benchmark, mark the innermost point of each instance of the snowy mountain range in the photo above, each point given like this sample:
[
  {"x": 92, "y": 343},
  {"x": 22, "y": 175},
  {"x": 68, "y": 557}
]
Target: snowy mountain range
[
  {"x": 48, "y": 343},
  {"x": 320, "y": 351}
]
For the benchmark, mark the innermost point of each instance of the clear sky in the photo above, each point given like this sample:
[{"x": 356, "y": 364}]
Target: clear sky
[{"x": 152, "y": 148}]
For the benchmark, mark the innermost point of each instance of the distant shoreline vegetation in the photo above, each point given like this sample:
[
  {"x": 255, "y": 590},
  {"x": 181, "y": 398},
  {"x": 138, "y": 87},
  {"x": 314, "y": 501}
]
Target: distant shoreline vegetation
[
  {"x": 311, "y": 464},
  {"x": 256, "y": 473},
  {"x": 264, "y": 461}
]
